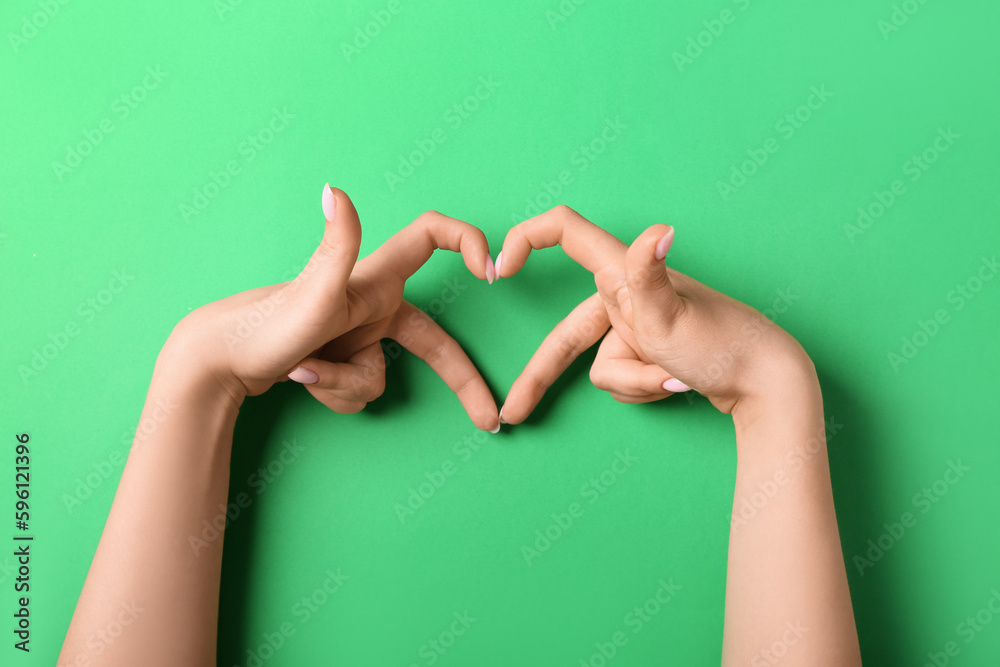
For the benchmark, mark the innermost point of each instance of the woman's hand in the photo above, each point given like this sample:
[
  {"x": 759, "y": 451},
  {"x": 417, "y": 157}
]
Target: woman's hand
[
  {"x": 323, "y": 328},
  {"x": 668, "y": 332}
]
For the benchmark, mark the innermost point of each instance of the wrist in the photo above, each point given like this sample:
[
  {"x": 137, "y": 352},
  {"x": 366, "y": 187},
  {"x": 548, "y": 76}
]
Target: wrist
[
  {"x": 783, "y": 382},
  {"x": 784, "y": 410},
  {"x": 186, "y": 368}
]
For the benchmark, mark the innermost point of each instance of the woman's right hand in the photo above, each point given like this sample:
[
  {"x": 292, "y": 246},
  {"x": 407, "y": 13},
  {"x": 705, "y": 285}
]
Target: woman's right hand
[
  {"x": 323, "y": 329},
  {"x": 668, "y": 332}
]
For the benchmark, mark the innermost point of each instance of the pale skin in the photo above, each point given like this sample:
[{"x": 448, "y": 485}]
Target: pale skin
[
  {"x": 786, "y": 582},
  {"x": 324, "y": 328}
]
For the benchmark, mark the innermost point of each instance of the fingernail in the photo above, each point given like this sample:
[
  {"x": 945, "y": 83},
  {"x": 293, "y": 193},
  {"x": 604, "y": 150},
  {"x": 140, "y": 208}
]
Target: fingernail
[
  {"x": 329, "y": 203},
  {"x": 495, "y": 429},
  {"x": 303, "y": 375},
  {"x": 491, "y": 272},
  {"x": 499, "y": 259},
  {"x": 663, "y": 245},
  {"x": 501, "y": 415},
  {"x": 675, "y": 385}
]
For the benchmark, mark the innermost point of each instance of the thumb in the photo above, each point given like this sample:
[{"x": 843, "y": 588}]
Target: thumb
[
  {"x": 655, "y": 303},
  {"x": 324, "y": 278}
]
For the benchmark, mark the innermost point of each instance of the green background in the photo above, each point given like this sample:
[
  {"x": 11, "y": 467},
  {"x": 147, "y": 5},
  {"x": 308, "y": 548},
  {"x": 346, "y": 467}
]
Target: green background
[{"x": 348, "y": 118}]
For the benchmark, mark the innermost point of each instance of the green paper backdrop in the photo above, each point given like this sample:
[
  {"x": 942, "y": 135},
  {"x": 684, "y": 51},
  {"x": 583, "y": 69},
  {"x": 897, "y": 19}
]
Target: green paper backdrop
[{"x": 832, "y": 164}]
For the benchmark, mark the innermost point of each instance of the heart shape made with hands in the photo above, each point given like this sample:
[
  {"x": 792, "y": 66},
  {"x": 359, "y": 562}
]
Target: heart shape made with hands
[{"x": 647, "y": 317}]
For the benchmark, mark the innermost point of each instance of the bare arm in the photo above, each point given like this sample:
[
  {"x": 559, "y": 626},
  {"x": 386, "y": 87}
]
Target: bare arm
[
  {"x": 787, "y": 587},
  {"x": 151, "y": 597},
  {"x": 787, "y": 597},
  {"x": 153, "y": 590}
]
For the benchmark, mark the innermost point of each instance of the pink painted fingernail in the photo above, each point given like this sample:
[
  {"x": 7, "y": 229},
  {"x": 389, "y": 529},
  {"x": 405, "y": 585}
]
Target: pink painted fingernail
[
  {"x": 675, "y": 385},
  {"x": 303, "y": 375},
  {"x": 491, "y": 272},
  {"x": 329, "y": 203},
  {"x": 499, "y": 259},
  {"x": 663, "y": 245}
]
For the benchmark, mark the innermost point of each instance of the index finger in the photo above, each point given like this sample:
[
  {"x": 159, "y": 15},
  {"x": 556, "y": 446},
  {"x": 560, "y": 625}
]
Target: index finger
[
  {"x": 576, "y": 333},
  {"x": 410, "y": 248},
  {"x": 590, "y": 246},
  {"x": 421, "y": 335}
]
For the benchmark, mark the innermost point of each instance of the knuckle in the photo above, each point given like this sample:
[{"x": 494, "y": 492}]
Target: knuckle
[
  {"x": 465, "y": 386},
  {"x": 657, "y": 279},
  {"x": 331, "y": 245},
  {"x": 540, "y": 385},
  {"x": 377, "y": 387},
  {"x": 516, "y": 237},
  {"x": 609, "y": 283},
  {"x": 637, "y": 271},
  {"x": 566, "y": 348},
  {"x": 425, "y": 220},
  {"x": 622, "y": 295},
  {"x": 598, "y": 378}
]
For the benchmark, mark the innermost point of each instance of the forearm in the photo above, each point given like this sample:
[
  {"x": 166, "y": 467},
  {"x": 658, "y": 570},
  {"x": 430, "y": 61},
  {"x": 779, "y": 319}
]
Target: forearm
[
  {"x": 151, "y": 575},
  {"x": 787, "y": 595}
]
